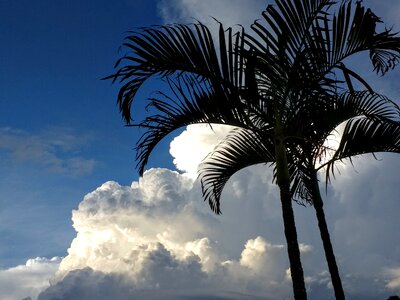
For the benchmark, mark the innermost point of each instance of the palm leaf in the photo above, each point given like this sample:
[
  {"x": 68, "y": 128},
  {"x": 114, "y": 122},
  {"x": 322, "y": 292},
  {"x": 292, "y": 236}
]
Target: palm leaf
[
  {"x": 240, "y": 149},
  {"x": 302, "y": 44},
  {"x": 172, "y": 50},
  {"x": 355, "y": 31},
  {"x": 325, "y": 116},
  {"x": 324, "y": 119},
  {"x": 366, "y": 135},
  {"x": 191, "y": 102},
  {"x": 302, "y": 182}
]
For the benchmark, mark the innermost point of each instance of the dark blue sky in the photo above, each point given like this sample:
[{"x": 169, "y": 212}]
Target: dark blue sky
[
  {"x": 53, "y": 55},
  {"x": 55, "y": 110}
]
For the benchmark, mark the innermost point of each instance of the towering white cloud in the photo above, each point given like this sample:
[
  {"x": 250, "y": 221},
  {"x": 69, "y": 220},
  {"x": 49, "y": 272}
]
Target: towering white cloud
[
  {"x": 156, "y": 239},
  {"x": 156, "y": 236}
]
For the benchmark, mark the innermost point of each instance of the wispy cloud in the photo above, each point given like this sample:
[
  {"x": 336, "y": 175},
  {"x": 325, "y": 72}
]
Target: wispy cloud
[{"x": 55, "y": 149}]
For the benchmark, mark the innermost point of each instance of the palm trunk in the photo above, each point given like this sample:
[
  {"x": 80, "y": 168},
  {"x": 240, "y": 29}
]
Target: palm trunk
[
  {"x": 283, "y": 181},
  {"x": 326, "y": 241}
]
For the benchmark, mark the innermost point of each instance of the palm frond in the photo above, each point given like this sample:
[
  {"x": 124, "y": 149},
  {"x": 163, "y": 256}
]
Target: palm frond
[
  {"x": 365, "y": 135},
  {"x": 189, "y": 102},
  {"x": 355, "y": 31},
  {"x": 302, "y": 43},
  {"x": 288, "y": 25},
  {"x": 171, "y": 50},
  {"x": 324, "y": 115},
  {"x": 302, "y": 183},
  {"x": 240, "y": 149},
  {"x": 385, "y": 51},
  {"x": 283, "y": 43}
]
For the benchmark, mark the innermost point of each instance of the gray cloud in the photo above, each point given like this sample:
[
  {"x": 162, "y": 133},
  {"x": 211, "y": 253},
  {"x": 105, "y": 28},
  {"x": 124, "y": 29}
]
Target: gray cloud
[{"x": 89, "y": 284}]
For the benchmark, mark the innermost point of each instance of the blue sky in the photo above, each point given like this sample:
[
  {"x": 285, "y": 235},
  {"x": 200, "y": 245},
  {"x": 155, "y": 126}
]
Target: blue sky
[
  {"x": 53, "y": 55},
  {"x": 62, "y": 141}
]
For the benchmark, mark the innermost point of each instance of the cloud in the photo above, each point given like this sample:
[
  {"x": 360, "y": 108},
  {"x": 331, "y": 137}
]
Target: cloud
[
  {"x": 229, "y": 12},
  {"x": 393, "y": 281},
  {"x": 29, "y": 279},
  {"x": 88, "y": 284},
  {"x": 55, "y": 149},
  {"x": 156, "y": 236},
  {"x": 188, "y": 152},
  {"x": 387, "y": 10},
  {"x": 156, "y": 239},
  {"x": 142, "y": 242}
]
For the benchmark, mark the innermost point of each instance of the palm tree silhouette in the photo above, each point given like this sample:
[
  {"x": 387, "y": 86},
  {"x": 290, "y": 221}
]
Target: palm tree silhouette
[
  {"x": 371, "y": 127},
  {"x": 268, "y": 85}
]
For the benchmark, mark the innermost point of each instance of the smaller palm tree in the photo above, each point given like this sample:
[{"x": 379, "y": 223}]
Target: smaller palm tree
[{"x": 372, "y": 125}]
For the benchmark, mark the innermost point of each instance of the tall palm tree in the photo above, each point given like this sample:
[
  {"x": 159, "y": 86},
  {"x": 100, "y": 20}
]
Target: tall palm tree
[
  {"x": 311, "y": 63},
  {"x": 207, "y": 87},
  {"x": 265, "y": 86},
  {"x": 372, "y": 126}
]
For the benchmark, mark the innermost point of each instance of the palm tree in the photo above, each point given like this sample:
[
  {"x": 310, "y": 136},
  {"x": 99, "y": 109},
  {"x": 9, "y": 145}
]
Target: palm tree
[
  {"x": 372, "y": 126},
  {"x": 206, "y": 88},
  {"x": 313, "y": 60},
  {"x": 266, "y": 86}
]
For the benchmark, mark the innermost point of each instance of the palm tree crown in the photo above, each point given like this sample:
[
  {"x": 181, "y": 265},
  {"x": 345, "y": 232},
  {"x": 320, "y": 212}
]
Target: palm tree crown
[{"x": 272, "y": 86}]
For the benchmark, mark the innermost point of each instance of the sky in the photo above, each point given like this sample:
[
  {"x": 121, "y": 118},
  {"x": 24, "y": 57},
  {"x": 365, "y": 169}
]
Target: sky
[{"x": 76, "y": 221}]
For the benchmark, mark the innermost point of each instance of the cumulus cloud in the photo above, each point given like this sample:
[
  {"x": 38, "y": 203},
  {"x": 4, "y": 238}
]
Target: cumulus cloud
[
  {"x": 29, "y": 279},
  {"x": 157, "y": 236},
  {"x": 142, "y": 243},
  {"x": 188, "y": 152},
  {"x": 54, "y": 149},
  {"x": 156, "y": 239}
]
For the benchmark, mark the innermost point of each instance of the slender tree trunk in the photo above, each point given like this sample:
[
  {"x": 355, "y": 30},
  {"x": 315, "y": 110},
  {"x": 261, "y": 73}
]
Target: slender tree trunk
[
  {"x": 283, "y": 180},
  {"x": 326, "y": 241}
]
